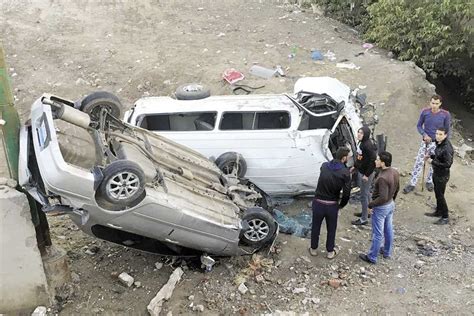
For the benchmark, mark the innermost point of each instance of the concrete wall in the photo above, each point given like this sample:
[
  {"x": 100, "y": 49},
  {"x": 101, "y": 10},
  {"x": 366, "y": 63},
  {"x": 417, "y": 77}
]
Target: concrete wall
[{"x": 23, "y": 282}]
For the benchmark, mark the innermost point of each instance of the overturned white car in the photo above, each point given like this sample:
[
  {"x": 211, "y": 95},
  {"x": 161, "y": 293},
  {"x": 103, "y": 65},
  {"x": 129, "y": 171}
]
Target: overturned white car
[
  {"x": 139, "y": 189},
  {"x": 277, "y": 142}
]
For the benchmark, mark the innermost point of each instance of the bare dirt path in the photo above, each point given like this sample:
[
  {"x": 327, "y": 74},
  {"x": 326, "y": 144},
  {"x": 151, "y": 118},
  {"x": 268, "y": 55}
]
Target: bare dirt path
[{"x": 149, "y": 48}]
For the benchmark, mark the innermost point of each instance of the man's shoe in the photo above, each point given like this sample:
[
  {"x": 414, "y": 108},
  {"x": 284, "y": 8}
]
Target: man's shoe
[
  {"x": 359, "y": 214},
  {"x": 433, "y": 214},
  {"x": 408, "y": 188},
  {"x": 332, "y": 254},
  {"x": 364, "y": 257},
  {"x": 384, "y": 256},
  {"x": 429, "y": 186},
  {"x": 359, "y": 222},
  {"x": 313, "y": 252},
  {"x": 442, "y": 221}
]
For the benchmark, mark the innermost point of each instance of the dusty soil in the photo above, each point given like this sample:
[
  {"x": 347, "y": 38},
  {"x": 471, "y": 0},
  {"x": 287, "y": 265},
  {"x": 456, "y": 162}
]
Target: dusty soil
[{"x": 149, "y": 48}]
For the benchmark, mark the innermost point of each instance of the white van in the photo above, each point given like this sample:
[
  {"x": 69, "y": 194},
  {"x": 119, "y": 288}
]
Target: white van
[{"x": 277, "y": 142}]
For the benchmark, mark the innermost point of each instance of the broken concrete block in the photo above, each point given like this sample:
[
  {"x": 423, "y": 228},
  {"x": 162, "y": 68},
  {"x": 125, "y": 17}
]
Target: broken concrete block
[
  {"x": 39, "y": 311},
  {"x": 126, "y": 279},
  {"x": 154, "y": 308},
  {"x": 243, "y": 288}
]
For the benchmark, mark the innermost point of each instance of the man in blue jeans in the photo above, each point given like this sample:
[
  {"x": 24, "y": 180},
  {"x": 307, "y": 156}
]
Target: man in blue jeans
[{"x": 386, "y": 189}]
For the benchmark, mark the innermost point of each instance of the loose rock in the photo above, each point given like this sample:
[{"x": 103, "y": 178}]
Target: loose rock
[{"x": 126, "y": 279}]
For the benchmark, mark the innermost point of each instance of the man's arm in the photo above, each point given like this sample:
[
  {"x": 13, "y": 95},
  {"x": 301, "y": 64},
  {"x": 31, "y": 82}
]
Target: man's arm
[
  {"x": 421, "y": 121},
  {"x": 346, "y": 191},
  {"x": 383, "y": 193},
  {"x": 447, "y": 124}
]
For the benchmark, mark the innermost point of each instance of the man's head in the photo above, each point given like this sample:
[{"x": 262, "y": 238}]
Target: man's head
[
  {"x": 384, "y": 160},
  {"x": 435, "y": 102},
  {"x": 342, "y": 153},
  {"x": 441, "y": 134}
]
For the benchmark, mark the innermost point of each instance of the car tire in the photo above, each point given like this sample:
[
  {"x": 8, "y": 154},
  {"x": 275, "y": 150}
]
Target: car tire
[
  {"x": 192, "y": 91},
  {"x": 262, "y": 227},
  {"x": 230, "y": 160},
  {"x": 123, "y": 183},
  {"x": 94, "y": 102}
]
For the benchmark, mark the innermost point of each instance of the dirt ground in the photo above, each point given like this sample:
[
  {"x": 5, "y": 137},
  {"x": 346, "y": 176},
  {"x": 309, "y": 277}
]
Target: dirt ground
[{"x": 71, "y": 48}]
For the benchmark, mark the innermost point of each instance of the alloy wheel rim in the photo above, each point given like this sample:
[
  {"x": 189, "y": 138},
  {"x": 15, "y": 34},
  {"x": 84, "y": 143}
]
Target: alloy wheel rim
[
  {"x": 123, "y": 185},
  {"x": 258, "y": 231}
]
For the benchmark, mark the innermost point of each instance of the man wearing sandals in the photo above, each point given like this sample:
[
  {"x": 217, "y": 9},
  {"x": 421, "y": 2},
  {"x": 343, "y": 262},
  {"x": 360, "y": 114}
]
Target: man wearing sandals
[
  {"x": 386, "y": 189},
  {"x": 334, "y": 178}
]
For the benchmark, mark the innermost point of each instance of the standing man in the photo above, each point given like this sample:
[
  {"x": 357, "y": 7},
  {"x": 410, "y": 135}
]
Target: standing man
[
  {"x": 365, "y": 166},
  {"x": 441, "y": 160},
  {"x": 333, "y": 178},
  {"x": 431, "y": 118},
  {"x": 385, "y": 192}
]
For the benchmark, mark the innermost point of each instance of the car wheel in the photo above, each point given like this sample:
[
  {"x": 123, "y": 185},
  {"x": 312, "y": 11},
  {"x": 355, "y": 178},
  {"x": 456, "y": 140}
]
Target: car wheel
[
  {"x": 95, "y": 102},
  {"x": 232, "y": 163},
  {"x": 261, "y": 227},
  {"x": 192, "y": 91},
  {"x": 123, "y": 183}
]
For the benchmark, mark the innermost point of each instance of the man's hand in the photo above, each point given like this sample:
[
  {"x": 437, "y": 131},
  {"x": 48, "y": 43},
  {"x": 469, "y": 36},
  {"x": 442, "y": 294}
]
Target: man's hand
[
  {"x": 365, "y": 178},
  {"x": 351, "y": 170},
  {"x": 370, "y": 211},
  {"x": 427, "y": 139}
]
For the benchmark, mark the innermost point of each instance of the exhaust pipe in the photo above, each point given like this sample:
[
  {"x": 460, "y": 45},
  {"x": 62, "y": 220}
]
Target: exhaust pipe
[{"x": 73, "y": 116}]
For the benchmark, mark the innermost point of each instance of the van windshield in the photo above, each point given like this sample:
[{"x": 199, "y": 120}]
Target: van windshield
[
  {"x": 255, "y": 120},
  {"x": 195, "y": 121}
]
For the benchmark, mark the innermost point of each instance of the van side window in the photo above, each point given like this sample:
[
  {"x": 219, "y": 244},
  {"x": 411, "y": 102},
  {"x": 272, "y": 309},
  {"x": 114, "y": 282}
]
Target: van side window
[
  {"x": 254, "y": 120},
  {"x": 196, "y": 121},
  {"x": 273, "y": 120}
]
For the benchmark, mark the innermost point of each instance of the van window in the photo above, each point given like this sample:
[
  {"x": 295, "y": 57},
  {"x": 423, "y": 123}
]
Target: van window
[
  {"x": 254, "y": 120},
  {"x": 312, "y": 122},
  {"x": 195, "y": 121}
]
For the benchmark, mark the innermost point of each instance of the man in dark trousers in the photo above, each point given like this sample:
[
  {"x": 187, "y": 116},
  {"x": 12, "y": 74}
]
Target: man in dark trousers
[
  {"x": 386, "y": 189},
  {"x": 333, "y": 178},
  {"x": 365, "y": 166},
  {"x": 431, "y": 118},
  {"x": 441, "y": 160}
]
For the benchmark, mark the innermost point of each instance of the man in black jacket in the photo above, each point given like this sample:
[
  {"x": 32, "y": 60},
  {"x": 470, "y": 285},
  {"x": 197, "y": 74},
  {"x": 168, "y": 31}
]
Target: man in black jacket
[
  {"x": 334, "y": 177},
  {"x": 441, "y": 161},
  {"x": 365, "y": 166}
]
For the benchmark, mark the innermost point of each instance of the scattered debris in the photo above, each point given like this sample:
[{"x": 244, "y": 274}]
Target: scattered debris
[
  {"x": 330, "y": 55},
  {"x": 463, "y": 150},
  {"x": 126, "y": 279},
  {"x": 263, "y": 72},
  {"x": 232, "y": 76},
  {"x": 39, "y": 311},
  {"x": 299, "y": 225},
  {"x": 335, "y": 283},
  {"x": 198, "y": 308},
  {"x": 158, "y": 265},
  {"x": 347, "y": 66},
  {"x": 298, "y": 290},
  {"x": 243, "y": 288},
  {"x": 154, "y": 308},
  {"x": 316, "y": 55},
  {"x": 368, "y": 46}
]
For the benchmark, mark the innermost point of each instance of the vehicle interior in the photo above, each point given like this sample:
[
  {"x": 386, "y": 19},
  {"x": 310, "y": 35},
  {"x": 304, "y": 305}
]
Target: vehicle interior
[{"x": 206, "y": 121}]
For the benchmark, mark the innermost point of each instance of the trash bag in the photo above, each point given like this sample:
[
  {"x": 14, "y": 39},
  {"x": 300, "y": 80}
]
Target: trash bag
[{"x": 299, "y": 225}]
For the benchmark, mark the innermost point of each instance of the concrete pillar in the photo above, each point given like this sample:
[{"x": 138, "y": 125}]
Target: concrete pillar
[{"x": 23, "y": 284}]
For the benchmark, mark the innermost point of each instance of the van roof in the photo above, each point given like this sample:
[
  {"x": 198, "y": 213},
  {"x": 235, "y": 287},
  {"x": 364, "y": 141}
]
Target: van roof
[{"x": 262, "y": 102}]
